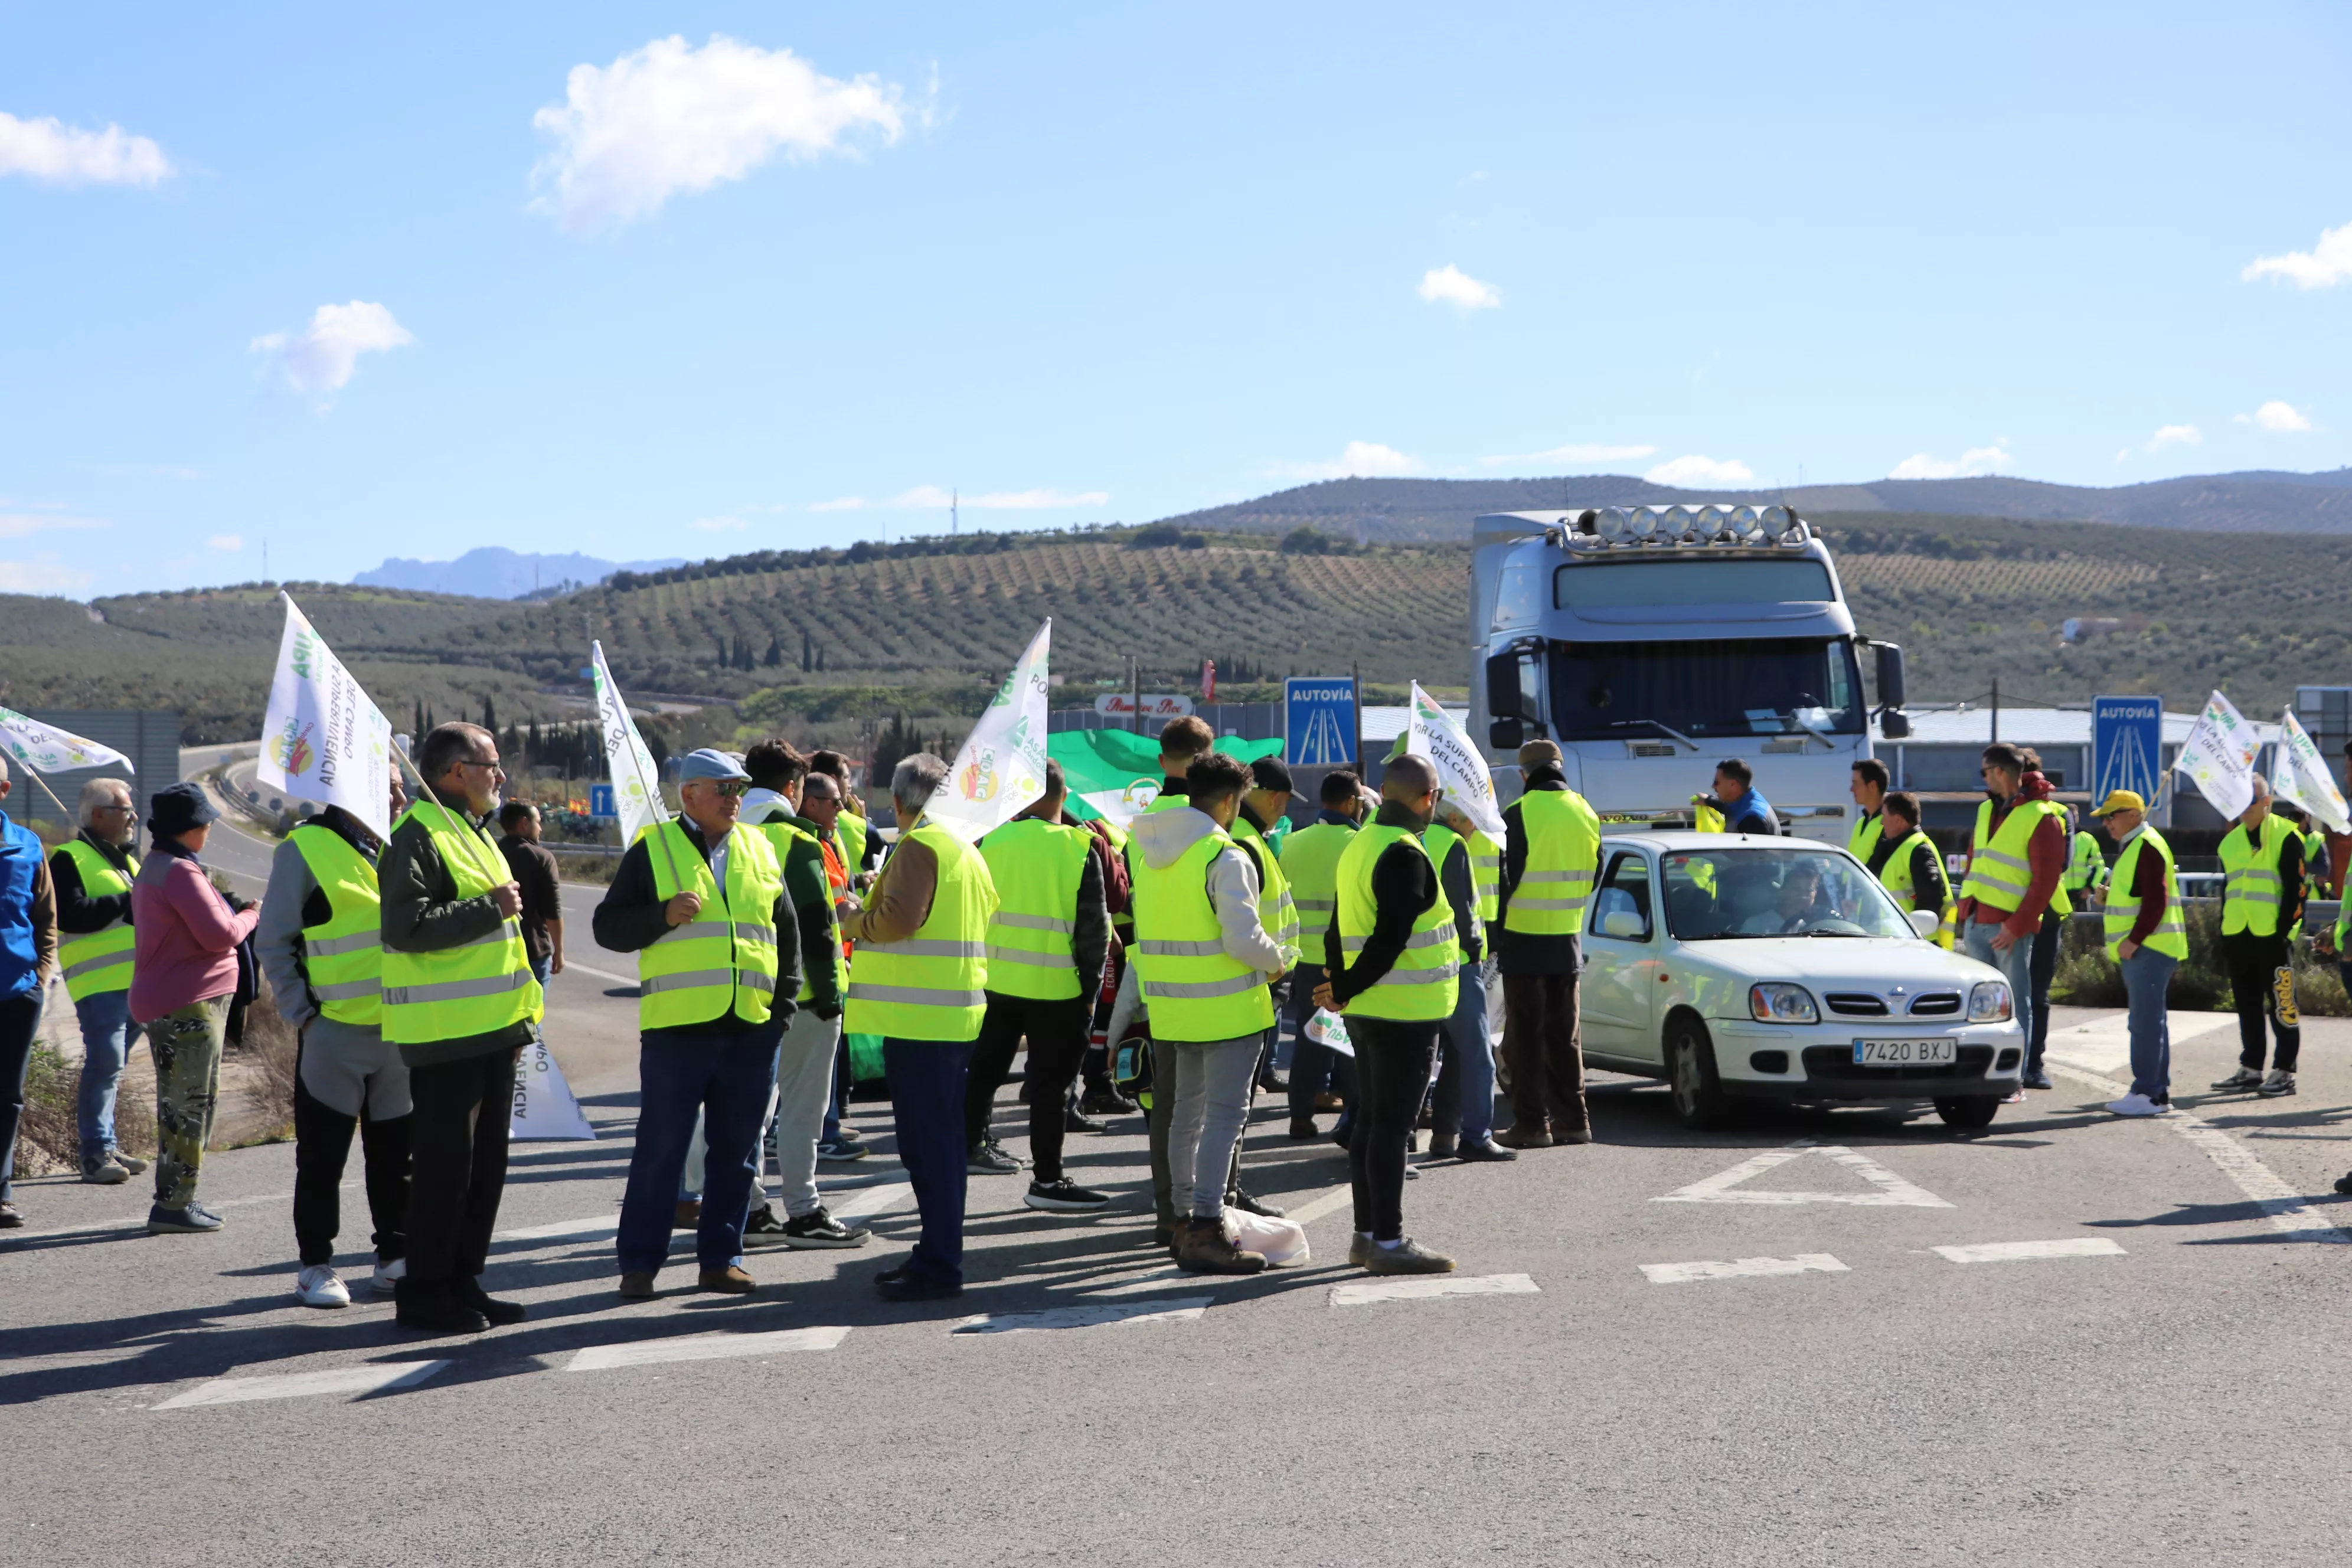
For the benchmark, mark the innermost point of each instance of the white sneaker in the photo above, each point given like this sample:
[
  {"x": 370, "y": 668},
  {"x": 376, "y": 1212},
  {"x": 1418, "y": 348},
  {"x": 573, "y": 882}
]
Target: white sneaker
[
  {"x": 388, "y": 1275},
  {"x": 320, "y": 1286},
  {"x": 2135, "y": 1105}
]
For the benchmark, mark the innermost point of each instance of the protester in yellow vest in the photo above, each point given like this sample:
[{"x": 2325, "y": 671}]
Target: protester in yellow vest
[
  {"x": 1907, "y": 863},
  {"x": 460, "y": 1003},
  {"x": 2147, "y": 939},
  {"x": 2261, "y": 901},
  {"x": 91, "y": 874},
  {"x": 861, "y": 846},
  {"x": 320, "y": 945},
  {"x": 822, "y": 797},
  {"x": 918, "y": 978},
  {"x": 1310, "y": 865},
  {"x": 1869, "y": 787},
  {"x": 1551, "y": 849},
  {"x": 1047, "y": 944},
  {"x": 1260, "y": 829},
  {"x": 2016, "y": 859},
  {"x": 1462, "y": 1102}
]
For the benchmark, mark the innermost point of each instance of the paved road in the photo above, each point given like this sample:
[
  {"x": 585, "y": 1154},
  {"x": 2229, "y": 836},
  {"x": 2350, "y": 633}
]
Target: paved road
[{"x": 1656, "y": 1366}]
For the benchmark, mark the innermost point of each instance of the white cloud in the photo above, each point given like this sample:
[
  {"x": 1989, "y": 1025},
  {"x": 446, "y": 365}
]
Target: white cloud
[
  {"x": 16, "y": 524},
  {"x": 930, "y": 497},
  {"x": 1362, "y": 459},
  {"x": 320, "y": 359},
  {"x": 2329, "y": 261},
  {"x": 2174, "y": 435},
  {"x": 1452, "y": 285},
  {"x": 2282, "y": 418},
  {"x": 226, "y": 543},
  {"x": 713, "y": 524},
  {"x": 42, "y": 577},
  {"x": 845, "y": 503},
  {"x": 1574, "y": 452},
  {"x": 1696, "y": 472},
  {"x": 56, "y": 153},
  {"x": 671, "y": 117},
  {"x": 1975, "y": 461}
]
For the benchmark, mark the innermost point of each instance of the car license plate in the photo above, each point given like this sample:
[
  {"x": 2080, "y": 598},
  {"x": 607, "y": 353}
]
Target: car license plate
[{"x": 1905, "y": 1053}]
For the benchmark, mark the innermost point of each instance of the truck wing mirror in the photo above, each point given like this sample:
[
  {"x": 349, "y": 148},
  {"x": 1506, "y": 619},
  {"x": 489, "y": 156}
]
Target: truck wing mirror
[
  {"x": 1502, "y": 697},
  {"x": 1890, "y": 674},
  {"x": 1506, "y": 735}
]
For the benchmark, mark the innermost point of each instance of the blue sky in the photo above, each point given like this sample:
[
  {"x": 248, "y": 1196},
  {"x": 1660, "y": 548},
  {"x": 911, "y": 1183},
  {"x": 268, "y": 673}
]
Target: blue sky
[{"x": 536, "y": 276}]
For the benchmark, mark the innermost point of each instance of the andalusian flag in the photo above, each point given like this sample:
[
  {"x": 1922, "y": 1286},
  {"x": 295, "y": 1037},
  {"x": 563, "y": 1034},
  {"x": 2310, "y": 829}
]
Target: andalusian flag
[{"x": 1116, "y": 774}]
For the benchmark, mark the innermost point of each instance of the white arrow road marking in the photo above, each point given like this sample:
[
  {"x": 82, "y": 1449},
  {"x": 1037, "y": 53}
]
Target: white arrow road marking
[
  {"x": 705, "y": 1347},
  {"x": 1316, "y": 1207},
  {"x": 1742, "y": 1268},
  {"x": 1419, "y": 1287},
  {"x": 2019, "y": 1251},
  {"x": 1891, "y": 1191},
  {"x": 1168, "y": 1310},
  {"x": 872, "y": 1200},
  {"x": 379, "y": 1379}
]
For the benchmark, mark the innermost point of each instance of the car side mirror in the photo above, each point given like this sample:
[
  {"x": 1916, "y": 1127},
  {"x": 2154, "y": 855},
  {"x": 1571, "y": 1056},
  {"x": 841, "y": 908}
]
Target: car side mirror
[
  {"x": 1506, "y": 735},
  {"x": 1622, "y": 924},
  {"x": 1926, "y": 923}
]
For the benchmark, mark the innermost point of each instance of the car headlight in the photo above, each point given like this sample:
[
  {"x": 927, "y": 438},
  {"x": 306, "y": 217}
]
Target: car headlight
[
  {"x": 1988, "y": 1002},
  {"x": 1774, "y": 1004}
]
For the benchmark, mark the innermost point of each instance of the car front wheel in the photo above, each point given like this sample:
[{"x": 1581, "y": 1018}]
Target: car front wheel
[
  {"x": 1699, "y": 1101},
  {"x": 1966, "y": 1115}
]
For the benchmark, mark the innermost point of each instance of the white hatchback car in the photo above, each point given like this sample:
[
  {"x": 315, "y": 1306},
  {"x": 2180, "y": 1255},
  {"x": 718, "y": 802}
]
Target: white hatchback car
[{"x": 1775, "y": 969}]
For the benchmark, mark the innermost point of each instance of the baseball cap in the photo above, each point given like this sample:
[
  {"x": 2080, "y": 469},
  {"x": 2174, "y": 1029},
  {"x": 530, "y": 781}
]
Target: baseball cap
[
  {"x": 710, "y": 763},
  {"x": 2120, "y": 800}
]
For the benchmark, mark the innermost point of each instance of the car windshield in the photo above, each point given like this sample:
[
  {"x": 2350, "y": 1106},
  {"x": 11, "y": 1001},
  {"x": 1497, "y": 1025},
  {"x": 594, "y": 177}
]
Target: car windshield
[
  {"x": 1736, "y": 686},
  {"x": 1724, "y": 894}
]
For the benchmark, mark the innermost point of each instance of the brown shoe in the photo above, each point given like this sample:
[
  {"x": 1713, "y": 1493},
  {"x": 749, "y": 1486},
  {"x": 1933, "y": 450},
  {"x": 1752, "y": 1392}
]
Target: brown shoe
[
  {"x": 728, "y": 1282},
  {"x": 1518, "y": 1137},
  {"x": 689, "y": 1214},
  {"x": 1202, "y": 1246},
  {"x": 639, "y": 1286},
  {"x": 1573, "y": 1135},
  {"x": 1327, "y": 1100}
]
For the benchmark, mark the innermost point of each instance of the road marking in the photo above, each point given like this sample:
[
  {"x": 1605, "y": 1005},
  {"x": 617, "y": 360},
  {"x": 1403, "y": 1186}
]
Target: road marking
[
  {"x": 872, "y": 1200},
  {"x": 561, "y": 1227},
  {"x": 1159, "y": 1279},
  {"x": 1742, "y": 1268},
  {"x": 1168, "y": 1310},
  {"x": 2280, "y": 1204},
  {"x": 379, "y": 1379},
  {"x": 1415, "y": 1288},
  {"x": 1315, "y": 1209},
  {"x": 1891, "y": 1191},
  {"x": 2019, "y": 1251},
  {"x": 705, "y": 1347},
  {"x": 572, "y": 968},
  {"x": 2103, "y": 1045}
]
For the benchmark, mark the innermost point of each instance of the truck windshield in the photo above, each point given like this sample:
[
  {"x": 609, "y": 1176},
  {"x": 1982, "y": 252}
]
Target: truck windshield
[{"x": 1744, "y": 686}]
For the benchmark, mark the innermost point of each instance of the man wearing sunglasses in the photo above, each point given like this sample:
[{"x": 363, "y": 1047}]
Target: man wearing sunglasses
[{"x": 92, "y": 875}]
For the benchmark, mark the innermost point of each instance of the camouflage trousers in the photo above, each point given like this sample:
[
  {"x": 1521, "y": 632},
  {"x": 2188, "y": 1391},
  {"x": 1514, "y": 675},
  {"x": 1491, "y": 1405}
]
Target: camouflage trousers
[{"x": 186, "y": 1045}]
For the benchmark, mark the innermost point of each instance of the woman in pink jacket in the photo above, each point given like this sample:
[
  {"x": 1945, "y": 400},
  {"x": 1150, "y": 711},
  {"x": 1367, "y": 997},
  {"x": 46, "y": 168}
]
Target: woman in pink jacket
[{"x": 183, "y": 979}]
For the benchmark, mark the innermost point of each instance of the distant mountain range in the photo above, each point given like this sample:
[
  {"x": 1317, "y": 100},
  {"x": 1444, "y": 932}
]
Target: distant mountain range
[
  {"x": 1402, "y": 511},
  {"x": 496, "y": 573}
]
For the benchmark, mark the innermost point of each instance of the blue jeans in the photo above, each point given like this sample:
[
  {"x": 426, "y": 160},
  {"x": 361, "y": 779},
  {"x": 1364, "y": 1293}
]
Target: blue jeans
[
  {"x": 927, "y": 1083},
  {"x": 727, "y": 1077},
  {"x": 1312, "y": 1067},
  {"x": 2016, "y": 966},
  {"x": 836, "y": 1104},
  {"x": 1465, "y": 1083},
  {"x": 107, "y": 1032},
  {"x": 2147, "y": 974}
]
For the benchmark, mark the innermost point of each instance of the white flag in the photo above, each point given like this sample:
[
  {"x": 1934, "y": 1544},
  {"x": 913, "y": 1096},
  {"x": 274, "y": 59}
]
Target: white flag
[
  {"x": 50, "y": 749},
  {"x": 2299, "y": 774},
  {"x": 636, "y": 781},
  {"x": 1002, "y": 767},
  {"x": 544, "y": 1106},
  {"x": 1461, "y": 772},
  {"x": 324, "y": 740},
  {"x": 2219, "y": 756}
]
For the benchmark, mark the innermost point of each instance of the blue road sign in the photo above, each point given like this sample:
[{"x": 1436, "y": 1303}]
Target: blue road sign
[
  {"x": 600, "y": 803},
  {"x": 1319, "y": 722},
  {"x": 2126, "y": 746}
]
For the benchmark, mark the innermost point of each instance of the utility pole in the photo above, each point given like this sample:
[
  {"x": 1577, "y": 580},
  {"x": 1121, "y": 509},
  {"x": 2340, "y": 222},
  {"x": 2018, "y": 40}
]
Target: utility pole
[
  {"x": 1356, "y": 679},
  {"x": 954, "y": 497},
  {"x": 1995, "y": 708}
]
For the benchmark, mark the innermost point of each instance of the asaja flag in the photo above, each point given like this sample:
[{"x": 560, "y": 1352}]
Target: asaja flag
[
  {"x": 636, "y": 781},
  {"x": 2219, "y": 756},
  {"x": 1462, "y": 772},
  {"x": 1115, "y": 775},
  {"x": 544, "y": 1106},
  {"x": 1002, "y": 767},
  {"x": 50, "y": 749},
  {"x": 2299, "y": 774},
  {"x": 324, "y": 740}
]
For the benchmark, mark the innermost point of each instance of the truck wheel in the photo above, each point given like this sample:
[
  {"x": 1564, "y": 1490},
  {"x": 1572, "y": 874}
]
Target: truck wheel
[
  {"x": 1699, "y": 1101},
  {"x": 1966, "y": 1115}
]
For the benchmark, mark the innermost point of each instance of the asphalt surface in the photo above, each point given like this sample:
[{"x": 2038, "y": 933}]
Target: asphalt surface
[{"x": 2168, "y": 1386}]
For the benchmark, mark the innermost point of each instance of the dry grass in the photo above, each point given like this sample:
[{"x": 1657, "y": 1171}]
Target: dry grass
[{"x": 266, "y": 1061}]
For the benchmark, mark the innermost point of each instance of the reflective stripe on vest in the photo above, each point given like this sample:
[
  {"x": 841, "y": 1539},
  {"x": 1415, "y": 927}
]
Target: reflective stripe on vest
[
  {"x": 2000, "y": 873},
  {"x": 1277, "y": 911},
  {"x": 96, "y": 962},
  {"x": 1895, "y": 877},
  {"x": 709, "y": 968},
  {"x": 2251, "y": 884},
  {"x": 1420, "y": 985},
  {"x": 2170, "y": 936},
  {"x": 2088, "y": 869},
  {"x": 1563, "y": 853},
  {"x": 1310, "y": 863},
  {"x": 1037, "y": 868},
  {"x": 477, "y": 988},
  {"x": 1486, "y": 876},
  {"x": 1193, "y": 987},
  {"x": 1866, "y": 837},
  {"x": 934, "y": 984},
  {"x": 783, "y": 837},
  {"x": 342, "y": 959}
]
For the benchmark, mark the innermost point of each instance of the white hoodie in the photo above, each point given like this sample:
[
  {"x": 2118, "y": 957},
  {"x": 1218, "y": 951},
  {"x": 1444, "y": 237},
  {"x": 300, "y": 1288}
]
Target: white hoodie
[{"x": 1164, "y": 837}]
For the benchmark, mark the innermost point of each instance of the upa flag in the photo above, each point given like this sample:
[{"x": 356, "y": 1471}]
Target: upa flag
[
  {"x": 323, "y": 739},
  {"x": 1002, "y": 767},
  {"x": 2219, "y": 756},
  {"x": 637, "y": 781},
  {"x": 2299, "y": 774},
  {"x": 50, "y": 749},
  {"x": 1462, "y": 772}
]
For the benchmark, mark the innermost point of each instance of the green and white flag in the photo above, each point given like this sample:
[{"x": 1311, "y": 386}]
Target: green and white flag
[
  {"x": 2299, "y": 774},
  {"x": 1114, "y": 775},
  {"x": 1462, "y": 772},
  {"x": 2219, "y": 756},
  {"x": 1002, "y": 767},
  {"x": 50, "y": 749},
  {"x": 324, "y": 739},
  {"x": 637, "y": 781}
]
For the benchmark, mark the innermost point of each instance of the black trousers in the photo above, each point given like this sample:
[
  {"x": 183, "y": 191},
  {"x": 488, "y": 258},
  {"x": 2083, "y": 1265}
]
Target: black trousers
[
  {"x": 1543, "y": 1040},
  {"x": 19, "y": 1017},
  {"x": 457, "y": 1167},
  {"x": 323, "y": 1144},
  {"x": 2041, "y": 969},
  {"x": 2261, "y": 982},
  {"x": 1392, "y": 1063},
  {"x": 1056, "y": 1033}
]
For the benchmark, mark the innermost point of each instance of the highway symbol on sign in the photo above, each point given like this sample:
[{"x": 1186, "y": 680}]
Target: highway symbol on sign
[
  {"x": 2126, "y": 746},
  {"x": 1319, "y": 722}
]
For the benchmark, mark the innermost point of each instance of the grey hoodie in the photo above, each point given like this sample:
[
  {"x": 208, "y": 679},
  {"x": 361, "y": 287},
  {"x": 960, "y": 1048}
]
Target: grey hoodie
[{"x": 1164, "y": 837}]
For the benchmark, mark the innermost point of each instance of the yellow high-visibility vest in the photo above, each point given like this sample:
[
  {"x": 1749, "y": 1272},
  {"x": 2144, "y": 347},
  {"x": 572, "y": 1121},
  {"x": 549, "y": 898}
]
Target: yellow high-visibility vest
[
  {"x": 934, "y": 984},
  {"x": 1422, "y": 985},
  {"x": 2252, "y": 887},
  {"x": 1037, "y": 868},
  {"x": 478, "y": 988},
  {"x": 1194, "y": 989},
  {"x": 724, "y": 960},
  {"x": 1310, "y": 862},
  {"x": 2170, "y": 935},
  {"x": 1563, "y": 853},
  {"x": 342, "y": 961},
  {"x": 1277, "y": 911},
  {"x": 97, "y": 962}
]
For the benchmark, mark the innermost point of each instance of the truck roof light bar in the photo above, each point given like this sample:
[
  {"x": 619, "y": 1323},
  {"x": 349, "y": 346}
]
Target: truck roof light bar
[{"x": 1633, "y": 527}]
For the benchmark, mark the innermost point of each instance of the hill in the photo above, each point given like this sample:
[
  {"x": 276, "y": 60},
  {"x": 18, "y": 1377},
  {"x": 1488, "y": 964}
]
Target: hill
[{"x": 494, "y": 572}]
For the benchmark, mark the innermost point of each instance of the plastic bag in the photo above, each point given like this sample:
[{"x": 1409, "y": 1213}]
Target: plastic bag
[
  {"x": 1329, "y": 1030},
  {"x": 866, "y": 1059},
  {"x": 1283, "y": 1241}
]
